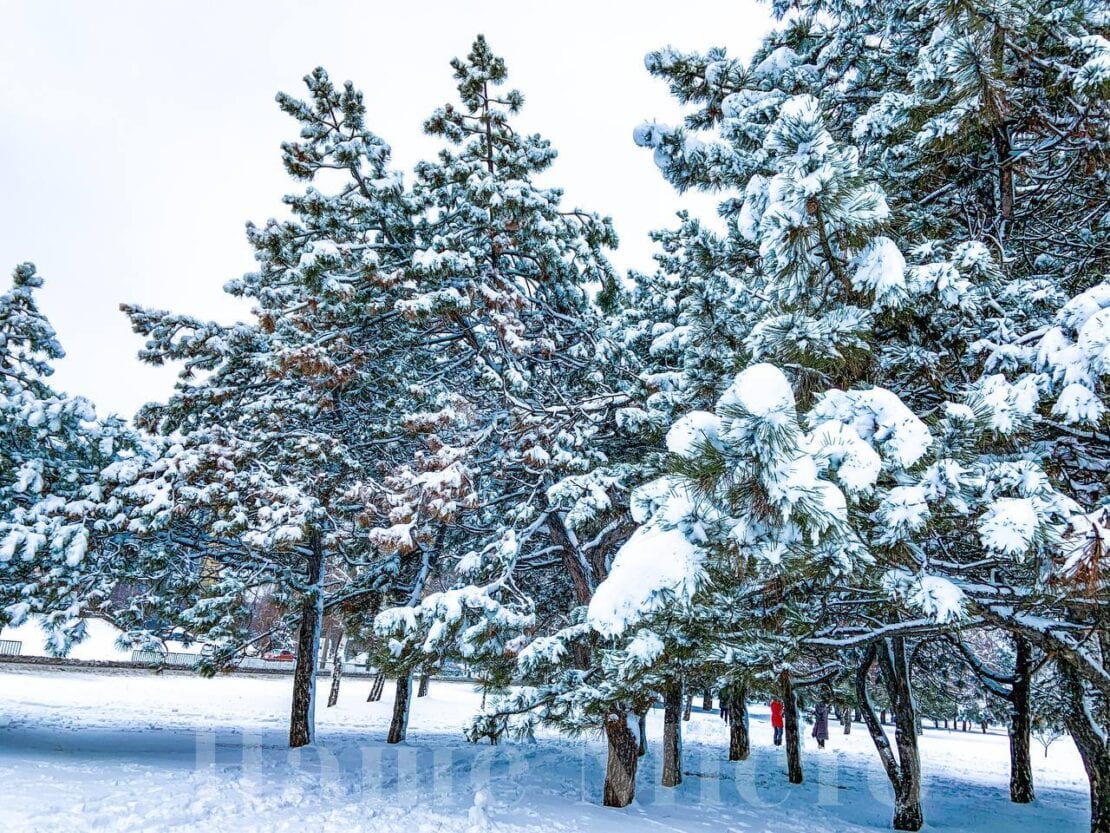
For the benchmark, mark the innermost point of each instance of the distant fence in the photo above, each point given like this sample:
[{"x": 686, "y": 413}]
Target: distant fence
[
  {"x": 178, "y": 660},
  {"x": 184, "y": 660},
  {"x": 10, "y": 647}
]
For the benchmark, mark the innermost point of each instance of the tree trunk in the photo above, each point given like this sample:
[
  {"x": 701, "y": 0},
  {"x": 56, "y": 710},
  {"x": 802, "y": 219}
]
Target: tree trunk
[
  {"x": 904, "y": 771},
  {"x": 642, "y": 731},
  {"x": 672, "y": 733},
  {"x": 739, "y": 742},
  {"x": 620, "y": 771},
  {"x": 689, "y": 706},
  {"x": 790, "y": 727},
  {"x": 1092, "y": 742},
  {"x": 376, "y": 688},
  {"x": 336, "y": 673},
  {"x": 399, "y": 725},
  {"x": 1021, "y": 764},
  {"x": 422, "y": 689},
  {"x": 302, "y": 720},
  {"x": 707, "y": 701}
]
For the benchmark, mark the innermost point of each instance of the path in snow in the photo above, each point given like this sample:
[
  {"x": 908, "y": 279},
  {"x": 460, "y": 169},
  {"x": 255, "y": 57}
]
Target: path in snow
[{"x": 134, "y": 751}]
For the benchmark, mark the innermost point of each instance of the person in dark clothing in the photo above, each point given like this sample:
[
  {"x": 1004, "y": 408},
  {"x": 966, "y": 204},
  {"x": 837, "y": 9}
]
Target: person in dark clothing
[
  {"x": 821, "y": 723},
  {"x": 776, "y": 720}
]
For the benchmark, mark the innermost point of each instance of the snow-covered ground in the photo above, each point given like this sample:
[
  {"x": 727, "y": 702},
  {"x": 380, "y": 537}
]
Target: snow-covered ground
[{"x": 130, "y": 751}]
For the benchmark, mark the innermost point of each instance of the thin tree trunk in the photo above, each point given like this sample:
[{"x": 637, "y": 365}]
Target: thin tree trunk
[
  {"x": 707, "y": 701},
  {"x": 302, "y": 720},
  {"x": 376, "y": 688},
  {"x": 641, "y": 717},
  {"x": 904, "y": 771},
  {"x": 739, "y": 742},
  {"x": 422, "y": 689},
  {"x": 399, "y": 725},
  {"x": 689, "y": 706},
  {"x": 620, "y": 771},
  {"x": 672, "y": 733},
  {"x": 336, "y": 673},
  {"x": 908, "y": 814},
  {"x": 1021, "y": 764},
  {"x": 790, "y": 727}
]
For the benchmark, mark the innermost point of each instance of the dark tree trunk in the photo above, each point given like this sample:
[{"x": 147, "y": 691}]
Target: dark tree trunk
[
  {"x": 302, "y": 720},
  {"x": 577, "y": 567},
  {"x": 790, "y": 727},
  {"x": 672, "y": 733},
  {"x": 689, "y": 706},
  {"x": 847, "y": 720},
  {"x": 707, "y": 701},
  {"x": 1092, "y": 743},
  {"x": 641, "y": 718},
  {"x": 904, "y": 771},
  {"x": 620, "y": 771},
  {"x": 739, "y": 742},
  {"x": 1021, "y": 763},
  {"x": 376, "y": 688},
  {"x": 422, "y": 689},
  {"x": 399, "y": 725},
  {"x": 336, "y": 673}
]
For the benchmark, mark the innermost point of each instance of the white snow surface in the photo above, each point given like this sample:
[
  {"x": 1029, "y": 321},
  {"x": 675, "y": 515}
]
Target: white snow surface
[
  {"x": 692, "y": 430},
  {"x": 761, "y": 390},
  {"x": 123, "y": 752},
  {"x": 656, "y": 566}
]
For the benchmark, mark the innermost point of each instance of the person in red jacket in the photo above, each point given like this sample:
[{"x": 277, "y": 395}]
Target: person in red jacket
[{"x": 776, "y": 720}]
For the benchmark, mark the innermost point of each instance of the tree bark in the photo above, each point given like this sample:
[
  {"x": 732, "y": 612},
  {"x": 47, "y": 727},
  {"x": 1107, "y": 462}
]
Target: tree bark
[
  {"x": 336, "y": 673},
  {"x": 739, "y": 742},
  {"x": 904, "y": 771},
  {"x": 641, "y": 718},
  {"x": 422, "y": 690},
  {"x": 376, "y": 688},
  {"x": 399, "y": 724},
  {"x": 620, "y": 770},
  {"x": 1021, "y": 763},
  {"x": 707, "y": 701},
  {"x": 302, "y": 720},
  {"x": 672, "y": 733},
  {"x": 689, "y": 706},
  {"x": 790, "y": 727},
  {"x": 1093, "y": 744}
]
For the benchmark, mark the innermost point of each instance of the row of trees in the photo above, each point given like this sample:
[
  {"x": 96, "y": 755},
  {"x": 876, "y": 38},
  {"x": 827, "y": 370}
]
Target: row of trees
[{"x": 848, "y": 438}]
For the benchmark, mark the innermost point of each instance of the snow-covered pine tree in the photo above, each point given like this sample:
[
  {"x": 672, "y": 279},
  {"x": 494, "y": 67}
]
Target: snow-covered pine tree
[
  {"x": 503, "y": 276},
  {"x": 52, "y": 448},
  {"x": 277, "y": 424},
  {"x": 948, "y": 132}
]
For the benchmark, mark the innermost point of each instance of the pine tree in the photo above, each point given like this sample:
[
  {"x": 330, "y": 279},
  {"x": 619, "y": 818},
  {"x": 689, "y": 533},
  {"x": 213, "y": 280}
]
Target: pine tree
[
  {"x": 52, "y": 447},
  {"x": 263, "y": 460},
  {"x": 503, "y": 276}
]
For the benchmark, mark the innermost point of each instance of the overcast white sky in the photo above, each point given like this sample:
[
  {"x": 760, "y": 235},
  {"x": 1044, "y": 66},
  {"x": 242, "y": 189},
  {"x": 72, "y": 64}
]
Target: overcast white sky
[{"x": 136, "y": 138}]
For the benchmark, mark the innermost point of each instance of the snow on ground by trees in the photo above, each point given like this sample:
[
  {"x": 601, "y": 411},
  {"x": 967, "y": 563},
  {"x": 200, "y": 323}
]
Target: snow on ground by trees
[{"x": 125, "y": 752}]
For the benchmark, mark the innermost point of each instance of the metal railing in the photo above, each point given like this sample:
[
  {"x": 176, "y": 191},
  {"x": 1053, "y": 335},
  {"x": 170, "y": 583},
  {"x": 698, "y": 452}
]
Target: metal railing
[
  {"x": 174, "y": 658},
  {"x": 10, "y": 647}
]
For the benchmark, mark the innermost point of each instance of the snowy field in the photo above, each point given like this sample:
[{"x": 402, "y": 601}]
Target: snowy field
[{"x": 134, "y": 751}]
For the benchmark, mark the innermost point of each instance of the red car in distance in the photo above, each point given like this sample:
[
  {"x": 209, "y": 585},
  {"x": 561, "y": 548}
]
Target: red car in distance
[{"x": 282, "y": 655}]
